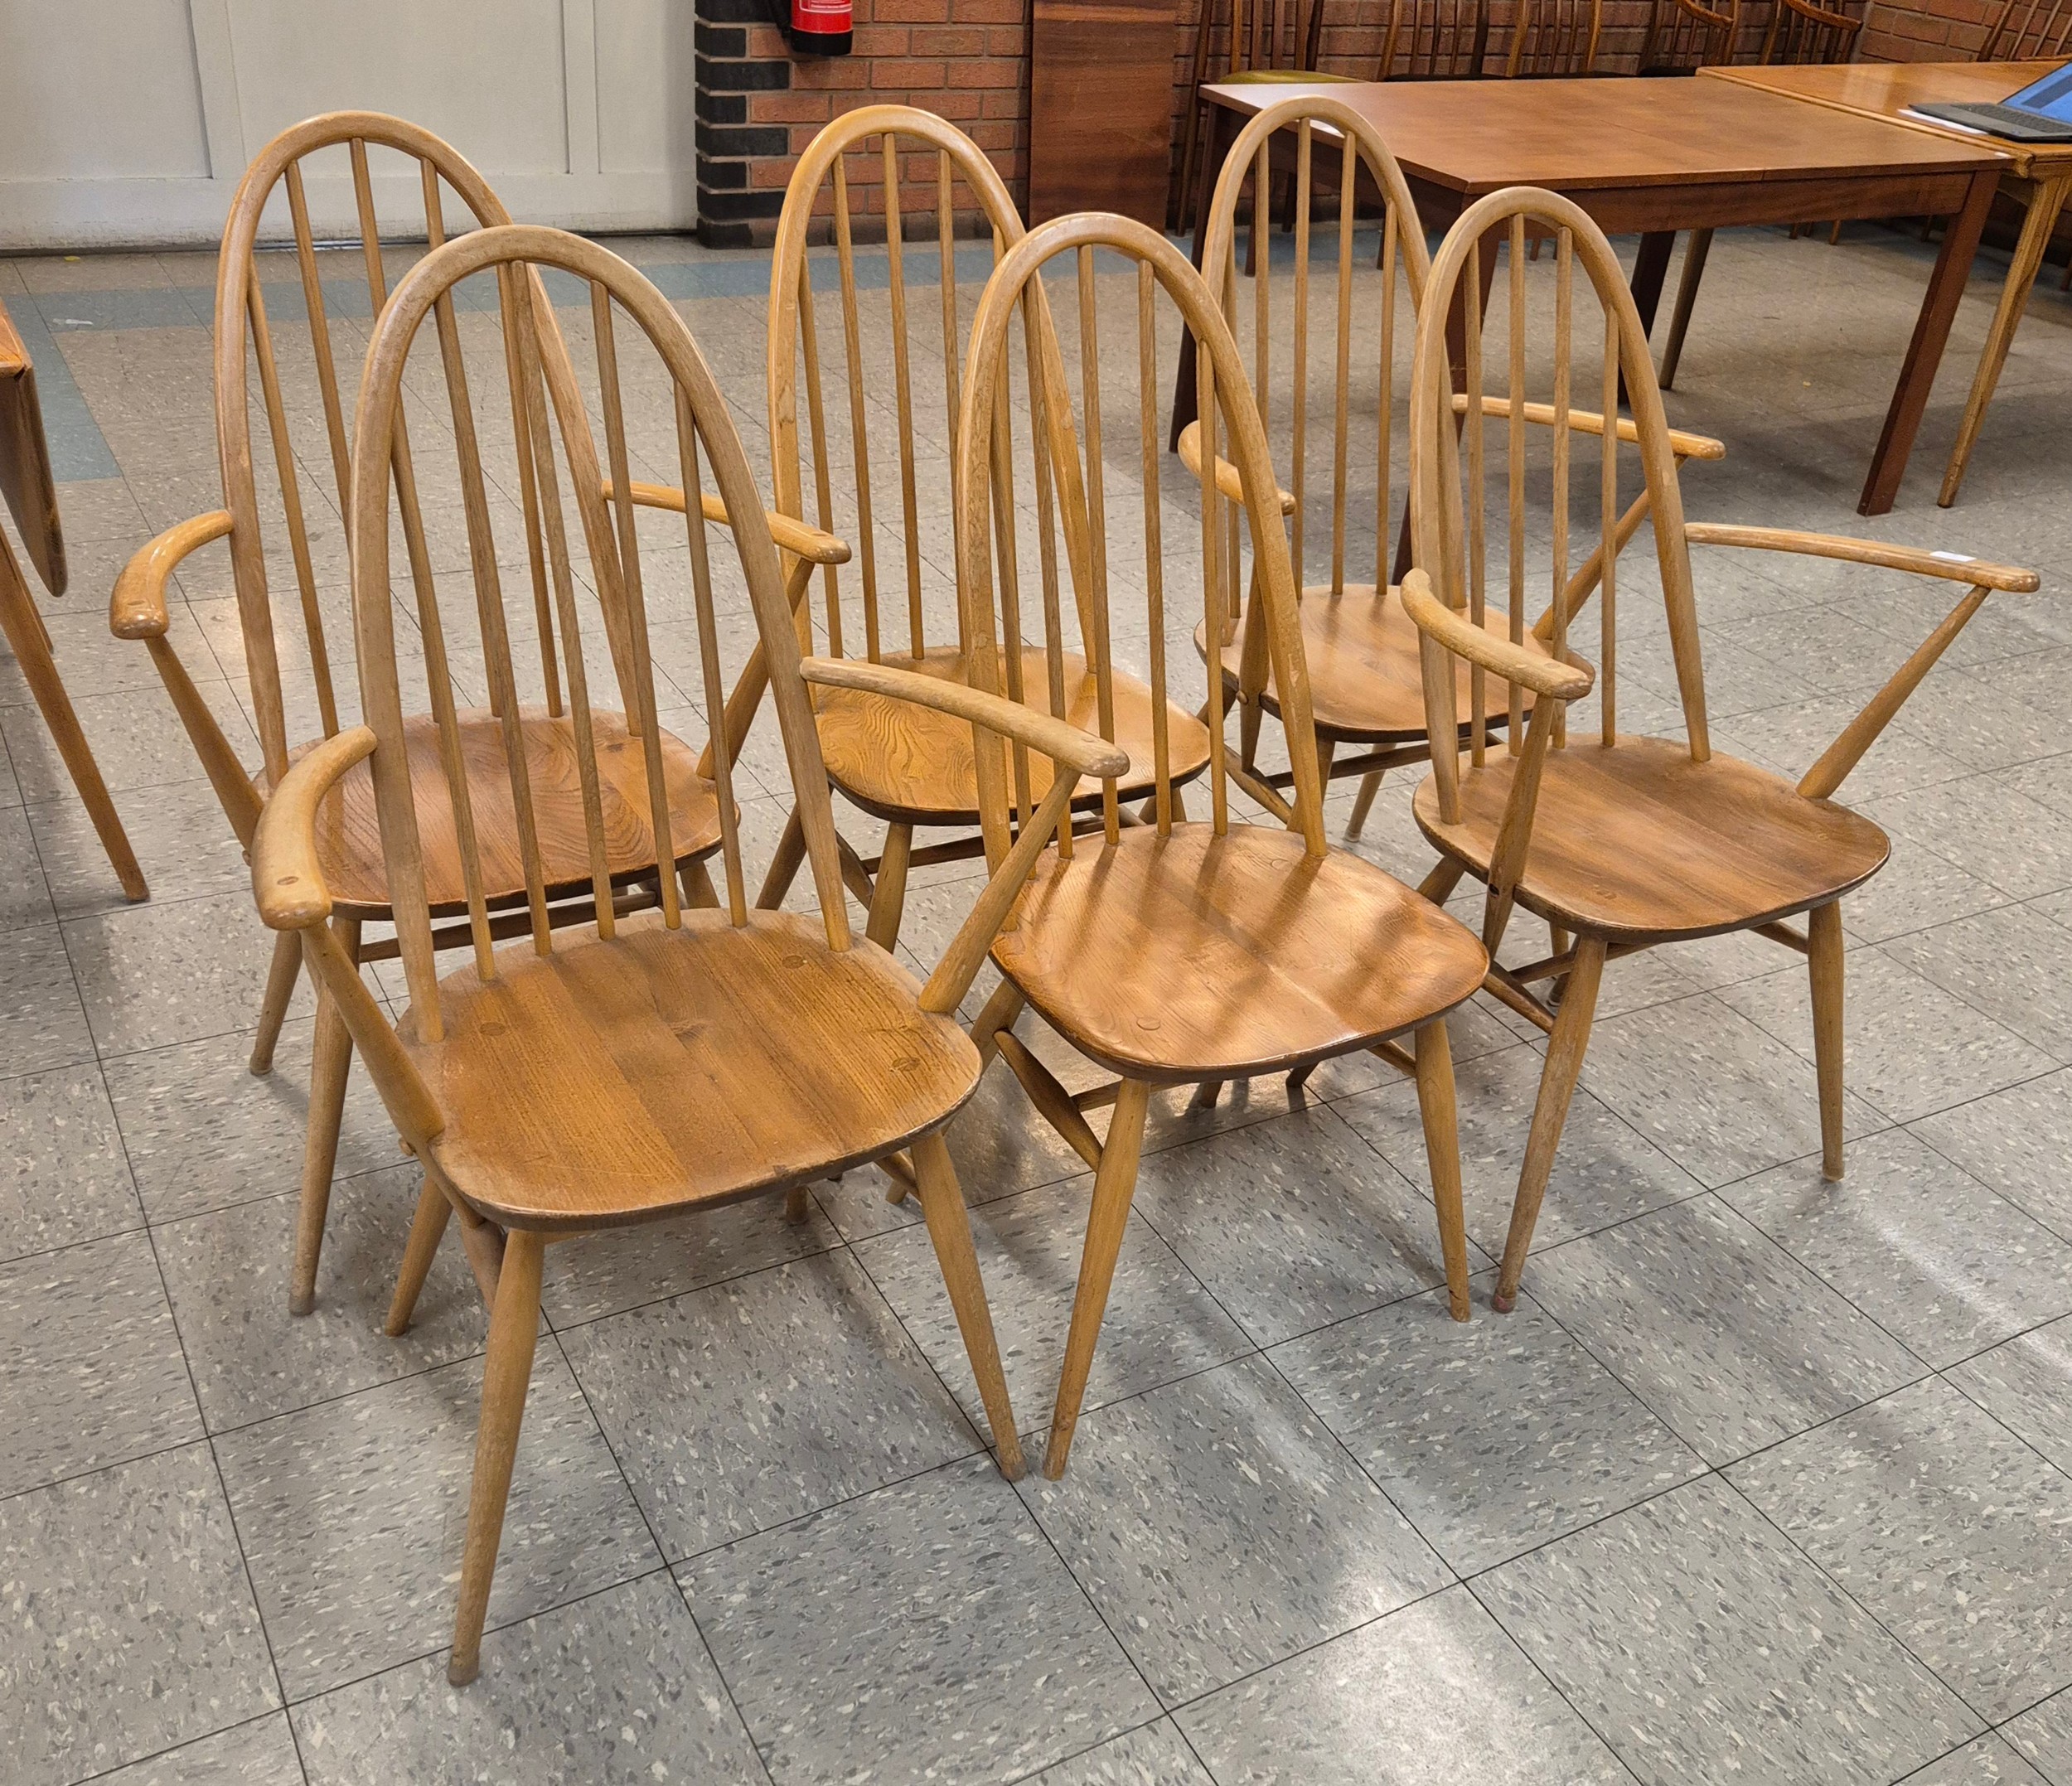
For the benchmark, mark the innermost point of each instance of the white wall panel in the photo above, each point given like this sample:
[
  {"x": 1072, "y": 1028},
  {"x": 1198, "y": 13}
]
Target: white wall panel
[{"x": 102, "y": 91}]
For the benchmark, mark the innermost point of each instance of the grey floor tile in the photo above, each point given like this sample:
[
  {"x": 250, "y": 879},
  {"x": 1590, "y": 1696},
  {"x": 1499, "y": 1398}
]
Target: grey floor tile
[
  {"x": 1720, "y": 1095},
  {"x": 154, "y": 975},
  {"x": 2027, "y": 1386},
  {"x": 1434, "y": 1692},
  {"x": 137, "y": 739},
  {"x": 735, "y": 1408},
  {"x": 92, "y": 1361},
  {"x": 63, "y": 1177},
  {"x": 182, "y": 841},
  {"x": 1156, "y": 1755},
  {"x": 24, "y": 895},
  {"x": 354, "y": 1513},
  {"x": 131, "y": 1627},
  {"x": 1493, "y": 1434},
  {"x": 1991, "y": 960},
  {"x": 622, "y": 1268},
  {"x": 1161, "y": 1324},
  {"x": 1984, "y": 1761},
  {"x": 1946, "y": 1527},
  {"x": 2015, "y": 1141},
  {"x": 1219, "y": 1528},
  {"x": 1915, "y": 889},
  {"x": 258, "y": 1753},
  {"x": 1725, "y": 1337},
  {"x": 1604, "y": 1172},
  {"x": 1293, "y": 1223},
  {"x": 46, "y": 1023},
  {"x": 1986, "y": 828},
  {"x": 228, "y": 1273},
  {"x": 615, "y": 1689},
  {"x": 1910, "y": 1048},
  {"x": 1919, "y": 1245},
  {"x": 1706, "y": 1648},
  {"x": 927, "y": 1631},
  {"x": 2044, "y": 1735},
  {"x": 203, "y": 1133}
]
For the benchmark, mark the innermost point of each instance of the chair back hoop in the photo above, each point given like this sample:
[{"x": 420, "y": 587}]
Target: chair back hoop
[
  {"x": 1803, "y": 32},
  {"x": 1227, "y": 407},
  {"x": 1552, "y": 39},
  {"x": 1435, "y": 40},
  {"x": 1358, "y": 143},
  {"x": 2029, "y": 30},
  {"x": 1450, "y": 530},
  {"x": 243, "y": 335},
  {"x": 703, "y": 431},
  {"x": 793, "y": 331}
]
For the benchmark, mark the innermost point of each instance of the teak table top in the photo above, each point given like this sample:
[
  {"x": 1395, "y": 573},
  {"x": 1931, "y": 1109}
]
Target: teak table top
[
  {"x": 25, "y": 461},
  {"x": 1885, "y": 89}
]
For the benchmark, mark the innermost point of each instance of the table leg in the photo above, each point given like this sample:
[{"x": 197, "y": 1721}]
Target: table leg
[
  {"x": 2045, "y": 201},
  {"x": 1457, "y": 360},
  {"x": 1650, "y": 268},
  {"x": 1225, "y": 124},
  {"x": 1924, "y": 352}
]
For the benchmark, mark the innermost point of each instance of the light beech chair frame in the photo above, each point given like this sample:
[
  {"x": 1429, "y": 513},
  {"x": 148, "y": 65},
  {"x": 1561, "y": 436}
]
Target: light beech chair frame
[{"x": 1488, "y": 816}]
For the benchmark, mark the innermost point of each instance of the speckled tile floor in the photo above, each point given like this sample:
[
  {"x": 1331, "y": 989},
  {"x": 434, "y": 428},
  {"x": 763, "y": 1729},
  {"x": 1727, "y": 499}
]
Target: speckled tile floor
[{"x": 1765, "y": 1480}]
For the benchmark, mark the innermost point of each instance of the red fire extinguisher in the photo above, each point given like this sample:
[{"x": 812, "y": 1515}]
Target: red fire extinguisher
[{"x": 815, "y": 27}]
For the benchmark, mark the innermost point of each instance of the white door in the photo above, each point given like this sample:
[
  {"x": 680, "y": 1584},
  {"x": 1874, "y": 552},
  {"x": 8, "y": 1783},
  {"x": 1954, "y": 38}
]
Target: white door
[{"x": 130, "y": 122}]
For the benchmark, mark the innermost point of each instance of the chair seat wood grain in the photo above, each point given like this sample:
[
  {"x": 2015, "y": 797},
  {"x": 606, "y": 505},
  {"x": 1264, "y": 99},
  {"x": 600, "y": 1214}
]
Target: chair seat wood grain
[
  {"x": 1636, "y": 842},
  {"x": 619, "y": 1080},
  {"x": 349, "y": 834},
  {"x": 1173, "y": 960},
  {"x": 1365, "y": 681},
  {"x": 911, "y": 764}
]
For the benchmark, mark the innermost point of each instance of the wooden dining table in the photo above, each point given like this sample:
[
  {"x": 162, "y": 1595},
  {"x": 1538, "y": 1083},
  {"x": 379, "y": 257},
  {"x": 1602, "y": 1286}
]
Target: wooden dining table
[
  {"x": 31, "y": 498},
  {"x": 1653, "y": 157},
  {"x": 2039, "y": 174}
]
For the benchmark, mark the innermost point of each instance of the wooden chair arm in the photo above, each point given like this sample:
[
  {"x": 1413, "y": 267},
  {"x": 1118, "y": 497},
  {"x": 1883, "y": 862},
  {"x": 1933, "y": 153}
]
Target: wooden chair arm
[
  {"x": 287, "y": 880},
  {"x": 791, "y": 536},
  {"x": 1684, "y": 446},
  {"x": 1953, "y": 567},
  {"x": 1228, "y": 483},
  {"x": 1059, "y": 739},
  {"x": 1547, "y": 677},
  {"x": 137, "y": 610}
]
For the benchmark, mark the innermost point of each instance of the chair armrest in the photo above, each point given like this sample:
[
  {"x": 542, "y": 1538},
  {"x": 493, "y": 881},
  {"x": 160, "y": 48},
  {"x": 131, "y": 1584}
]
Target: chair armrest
[
  {"x": 1228, "y": 483},
  {"x": 1684, "y": 446},
  {"x": 1953, "y": 567},
  {"x": 286, "y": 879},
  {"x": 791, "y": 536},
  {"x": 137, "y": 610},
  {"x": 1548, "y": 677},
  {"x": 1059, "y": 739}
]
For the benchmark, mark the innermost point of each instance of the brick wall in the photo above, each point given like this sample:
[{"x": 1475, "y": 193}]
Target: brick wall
[
  {"x": 1935, "y": 31},
  {"x": 759, "y": 106}
]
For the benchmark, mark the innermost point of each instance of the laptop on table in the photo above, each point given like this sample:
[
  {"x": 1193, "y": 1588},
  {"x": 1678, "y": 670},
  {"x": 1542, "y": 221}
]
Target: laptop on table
[{"x": 2041, "y": 112}]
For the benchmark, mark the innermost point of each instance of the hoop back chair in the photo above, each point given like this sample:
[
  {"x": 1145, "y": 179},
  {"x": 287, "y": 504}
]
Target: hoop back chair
[
  {"x": 1554, "y": 38},
  {"x": 620, "y": 1071},
  {"x": 295, "y": 656},
  {"x": 910, "y": 768},
  {"x": 2027, "y": 30},
  {"x": 1170, "y": 952},
  {"x": 1684, "y": 35},
  {"x": 1617, "y": 842},
  {"x": 1435, "y": 40},
  {"x": 1362, "y": 653}
]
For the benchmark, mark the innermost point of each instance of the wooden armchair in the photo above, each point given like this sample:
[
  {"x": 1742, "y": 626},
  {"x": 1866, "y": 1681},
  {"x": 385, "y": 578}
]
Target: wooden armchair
[
  {"x": 1365, "y": 682},
  {"x": 1617, "y": 842},
  {"x": 291, "y": 653},
  {"x": 1435, "y": 40},
  {"x": 1554, "y": 38},
  {"x": 2028, "y": 31},
  {"x": 1684, "y": 35},
  {"x": 910, "y": 767},
  {"x": 632, "y": 1067},
  {"x": 1170, "y": 952}
]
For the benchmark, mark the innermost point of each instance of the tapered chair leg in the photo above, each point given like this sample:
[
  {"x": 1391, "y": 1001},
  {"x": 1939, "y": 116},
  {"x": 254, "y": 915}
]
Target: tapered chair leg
[
  {"x": 999, "y": 1012},
  {"x": 331, "y": 1063},
  {"x": 1114, "y": 1185},
  {"x": 784, "y": 864},
  {"x": 1442, "y": 1155},
  {"x": 888, "y": 891},
  {"x": 1558, "y": 1085},
  {"x": 514, "y": 1328},
  {"x": 1694, "y": 254},
  {"x": 950, "y": 1231},
  {"x": 1824, "y": 960},
  {"x": 699, "y": 893},
  {"x": 428, "y": 1228},
  {"x": 280, "y": 989},
  {"x": 1363, "y": 801}
]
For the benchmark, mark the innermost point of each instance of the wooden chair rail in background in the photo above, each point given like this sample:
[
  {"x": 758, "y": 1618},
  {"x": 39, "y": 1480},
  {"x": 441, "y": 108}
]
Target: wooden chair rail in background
[
  {"x": 1684, "y": 35},
  {"x": 1171, "y": 953},
  {"x": 694, "y": 1055},
  {"x": 2026, "y": 31},
  {"x": 1617, "y": 842},
  {"x": 31, "y": 498}
]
